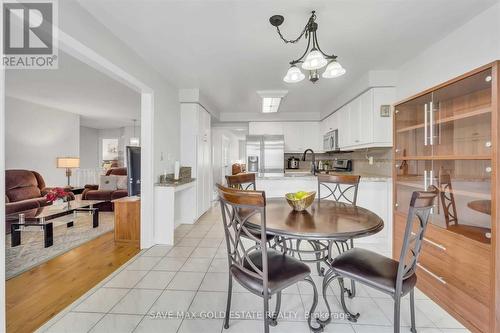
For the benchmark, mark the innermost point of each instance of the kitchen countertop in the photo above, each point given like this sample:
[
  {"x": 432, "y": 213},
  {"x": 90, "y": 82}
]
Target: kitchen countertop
[
  {"x": 175, "y": 183},
  {"x": 304, "y": 175}
]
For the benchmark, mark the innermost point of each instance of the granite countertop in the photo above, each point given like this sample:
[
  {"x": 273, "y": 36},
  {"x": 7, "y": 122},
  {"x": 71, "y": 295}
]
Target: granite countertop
[
  {"x": 304, "y": 175},
  {"x": 174, "y": 183}
]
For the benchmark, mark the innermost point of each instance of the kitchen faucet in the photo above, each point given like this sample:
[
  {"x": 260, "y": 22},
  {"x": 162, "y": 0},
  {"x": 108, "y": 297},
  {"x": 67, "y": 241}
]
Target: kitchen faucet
[{"x": 313, "y": 163}]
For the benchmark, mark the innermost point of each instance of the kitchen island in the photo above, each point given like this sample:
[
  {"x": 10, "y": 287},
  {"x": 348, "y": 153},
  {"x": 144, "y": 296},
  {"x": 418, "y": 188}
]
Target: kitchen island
[{"x": 374, "y": 193}]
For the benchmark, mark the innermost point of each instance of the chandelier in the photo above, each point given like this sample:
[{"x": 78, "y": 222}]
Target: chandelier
[{"x": 313, "y": 58}]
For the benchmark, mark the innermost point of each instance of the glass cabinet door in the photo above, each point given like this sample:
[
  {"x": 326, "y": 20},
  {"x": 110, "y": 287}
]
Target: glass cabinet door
[
  {"x": 461, "y": 118},
  {"x": 464, "y": 203},
  {"x": 411, "y": 127},
  {"x": 411, "y": 175}
]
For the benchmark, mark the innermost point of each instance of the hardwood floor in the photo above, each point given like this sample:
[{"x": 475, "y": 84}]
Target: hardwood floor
[{"x": 40, "y": 293}]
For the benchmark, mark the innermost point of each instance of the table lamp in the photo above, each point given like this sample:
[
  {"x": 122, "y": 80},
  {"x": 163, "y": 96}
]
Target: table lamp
[{"x": 68, "y": 163}]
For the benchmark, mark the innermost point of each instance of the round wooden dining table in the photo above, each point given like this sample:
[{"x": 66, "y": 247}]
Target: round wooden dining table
[
  {"x": 324, "y": 224},
  {"x": 325, "y": 220}
]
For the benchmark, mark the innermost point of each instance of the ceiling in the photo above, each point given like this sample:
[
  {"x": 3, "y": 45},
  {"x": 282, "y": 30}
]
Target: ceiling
[
  {"x": 77, "y": 88},
  {"x": 229, "y": 50}
]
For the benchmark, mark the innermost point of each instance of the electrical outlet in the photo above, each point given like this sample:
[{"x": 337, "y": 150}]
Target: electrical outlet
[{"x": 370, "y": 160}]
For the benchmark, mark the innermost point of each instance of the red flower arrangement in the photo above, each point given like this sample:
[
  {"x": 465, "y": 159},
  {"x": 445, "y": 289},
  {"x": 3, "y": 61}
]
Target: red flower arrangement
[{"x": 56, "y": 193}]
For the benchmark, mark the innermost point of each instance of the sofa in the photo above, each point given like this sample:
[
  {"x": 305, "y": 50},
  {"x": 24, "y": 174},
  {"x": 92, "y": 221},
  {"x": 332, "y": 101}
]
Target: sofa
[
  {"x": 92, "y": 192},
  {"x": 24, "y": 190}
]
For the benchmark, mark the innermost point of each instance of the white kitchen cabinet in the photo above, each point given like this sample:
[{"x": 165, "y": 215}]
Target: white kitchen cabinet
[
  {"x": 299, "y": 135},
  {"x": 265, "y": 127},
  {"x": 360, "y": 122},
  {"x": 329, "y": 124},
  {"x": 343, "y": 125},
  {"x": 196, "y": 152}
]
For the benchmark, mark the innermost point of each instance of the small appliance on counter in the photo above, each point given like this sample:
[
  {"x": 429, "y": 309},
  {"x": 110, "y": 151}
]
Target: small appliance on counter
[
  {"x": 253, "y": 163},
  {"x": 293, "y": 163},
  {"x": 342, "y": 165}
]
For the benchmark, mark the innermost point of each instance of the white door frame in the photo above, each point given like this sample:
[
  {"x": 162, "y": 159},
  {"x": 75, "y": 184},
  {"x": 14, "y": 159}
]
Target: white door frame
[
  {"x": 76, "y": 49},
  {"x": 85, "y": 54}
]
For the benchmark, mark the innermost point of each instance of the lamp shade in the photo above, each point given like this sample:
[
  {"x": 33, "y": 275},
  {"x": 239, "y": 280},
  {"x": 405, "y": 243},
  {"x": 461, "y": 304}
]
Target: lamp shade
[
  {"x": 314, "y": 60},
  {"x": 68, "y": 162},
  {"x": 334, "y": 69},
  {"x": 293, "y": 75}
]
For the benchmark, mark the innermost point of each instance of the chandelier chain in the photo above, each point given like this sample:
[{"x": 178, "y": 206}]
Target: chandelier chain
[{"x": 304, "y": 31}]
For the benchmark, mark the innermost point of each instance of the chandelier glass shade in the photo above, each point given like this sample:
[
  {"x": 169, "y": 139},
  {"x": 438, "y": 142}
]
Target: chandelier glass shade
[
  {"x": 293, "y": 75},
  {"x": 313, "y": 58},
  {"x": 334, "y": 69}
]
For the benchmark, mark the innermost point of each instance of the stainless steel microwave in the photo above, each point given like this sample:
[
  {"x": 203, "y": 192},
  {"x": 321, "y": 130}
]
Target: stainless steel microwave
[{"x": 331, "y": 141}]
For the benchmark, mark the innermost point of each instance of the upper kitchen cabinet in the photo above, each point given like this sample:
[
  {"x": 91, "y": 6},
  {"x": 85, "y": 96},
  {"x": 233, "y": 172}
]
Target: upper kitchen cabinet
[
  {"x": 302, "y": 135},
  {"x": 299, "y": 135},
  {"x": 364, "y": 122},
  {"x": 265, "y": 128}
]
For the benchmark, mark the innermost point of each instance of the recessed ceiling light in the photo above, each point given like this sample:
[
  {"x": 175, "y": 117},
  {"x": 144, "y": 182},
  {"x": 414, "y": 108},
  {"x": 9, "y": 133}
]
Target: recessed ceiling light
[{"x": 271, "y": 100}]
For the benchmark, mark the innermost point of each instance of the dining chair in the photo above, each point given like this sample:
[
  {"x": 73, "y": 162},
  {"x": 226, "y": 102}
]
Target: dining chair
[
  {"x": 339, "y": 188},
  {"x": 451, "y": 215},
  {"x": 244, "y": 181},
  {"x": 396, "y": 278},
  {"x": 264, "y": 272}
]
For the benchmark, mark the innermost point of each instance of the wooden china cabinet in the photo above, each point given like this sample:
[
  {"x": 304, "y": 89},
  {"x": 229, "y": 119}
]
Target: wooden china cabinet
[{"x": 447, "y": 136}]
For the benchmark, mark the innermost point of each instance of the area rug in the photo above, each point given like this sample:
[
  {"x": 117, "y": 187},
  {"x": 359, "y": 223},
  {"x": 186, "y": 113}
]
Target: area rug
[{"x": 32, "y": 253}]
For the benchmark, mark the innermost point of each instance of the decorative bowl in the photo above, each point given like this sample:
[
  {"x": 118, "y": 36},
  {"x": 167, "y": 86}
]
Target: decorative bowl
[{"x": 302, "y": 203}]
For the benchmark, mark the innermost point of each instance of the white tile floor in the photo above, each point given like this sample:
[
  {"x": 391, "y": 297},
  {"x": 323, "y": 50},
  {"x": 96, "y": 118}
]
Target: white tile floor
[{"x": 146, "y": 294}]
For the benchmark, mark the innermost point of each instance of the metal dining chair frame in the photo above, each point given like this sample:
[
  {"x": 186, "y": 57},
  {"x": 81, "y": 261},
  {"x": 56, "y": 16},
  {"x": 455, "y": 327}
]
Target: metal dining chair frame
[
  {"x": 341, "y": 186},
  {"x": 237, "y": 207},
  {"x": 421, "y": 205}
]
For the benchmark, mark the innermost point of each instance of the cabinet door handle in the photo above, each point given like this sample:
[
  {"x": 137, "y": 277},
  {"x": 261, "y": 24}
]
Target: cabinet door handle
[
  {"x": 439, "y": 278},
  {"x": 431, "y": 123},
  {"x": 425, "y": 124},
  {"x": 439, "y": 246},
  {"x": 425, "y": 180}
]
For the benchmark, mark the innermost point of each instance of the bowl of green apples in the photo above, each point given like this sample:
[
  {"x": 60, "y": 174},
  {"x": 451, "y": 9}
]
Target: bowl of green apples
[{"x": 300, "y": 200}]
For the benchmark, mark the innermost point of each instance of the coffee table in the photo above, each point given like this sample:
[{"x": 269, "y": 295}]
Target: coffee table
[{"x": 43, "y": 217}]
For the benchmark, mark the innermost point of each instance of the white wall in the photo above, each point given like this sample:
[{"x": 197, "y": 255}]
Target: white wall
[
  {"x": 89, "y": 148},
  {"x": 75, "y": 21},
  {"x": 474, "y": 44},
  {"x": 36, "y": 135}
]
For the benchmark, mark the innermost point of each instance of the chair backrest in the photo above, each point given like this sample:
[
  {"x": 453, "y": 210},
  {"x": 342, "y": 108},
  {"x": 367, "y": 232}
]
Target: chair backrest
[
  {"x": 421, "y": 205},
  {"x": 448, "y": 199},
  {"x": 244, "y": 181},
  {"x": 116, "y": 171},
  {"x": 339, "y": 187},
  {"x": 237, "y": 207}
]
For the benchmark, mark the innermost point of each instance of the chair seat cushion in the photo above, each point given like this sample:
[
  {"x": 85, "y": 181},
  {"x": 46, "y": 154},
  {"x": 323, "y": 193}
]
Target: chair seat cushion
[
  {"x": 98, "y": 195},
  {"x": 283, "y": 271},
  {"x": 119, "y": 194},
  {"x": 372, "y": 269}
]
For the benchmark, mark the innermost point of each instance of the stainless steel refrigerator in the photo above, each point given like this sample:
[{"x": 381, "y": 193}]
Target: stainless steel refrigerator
[{"x": 265, "y": 153}]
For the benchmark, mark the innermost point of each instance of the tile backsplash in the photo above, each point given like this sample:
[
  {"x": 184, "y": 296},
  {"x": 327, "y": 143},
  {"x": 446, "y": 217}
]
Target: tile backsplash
[{"x": 382, "y": 160}]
